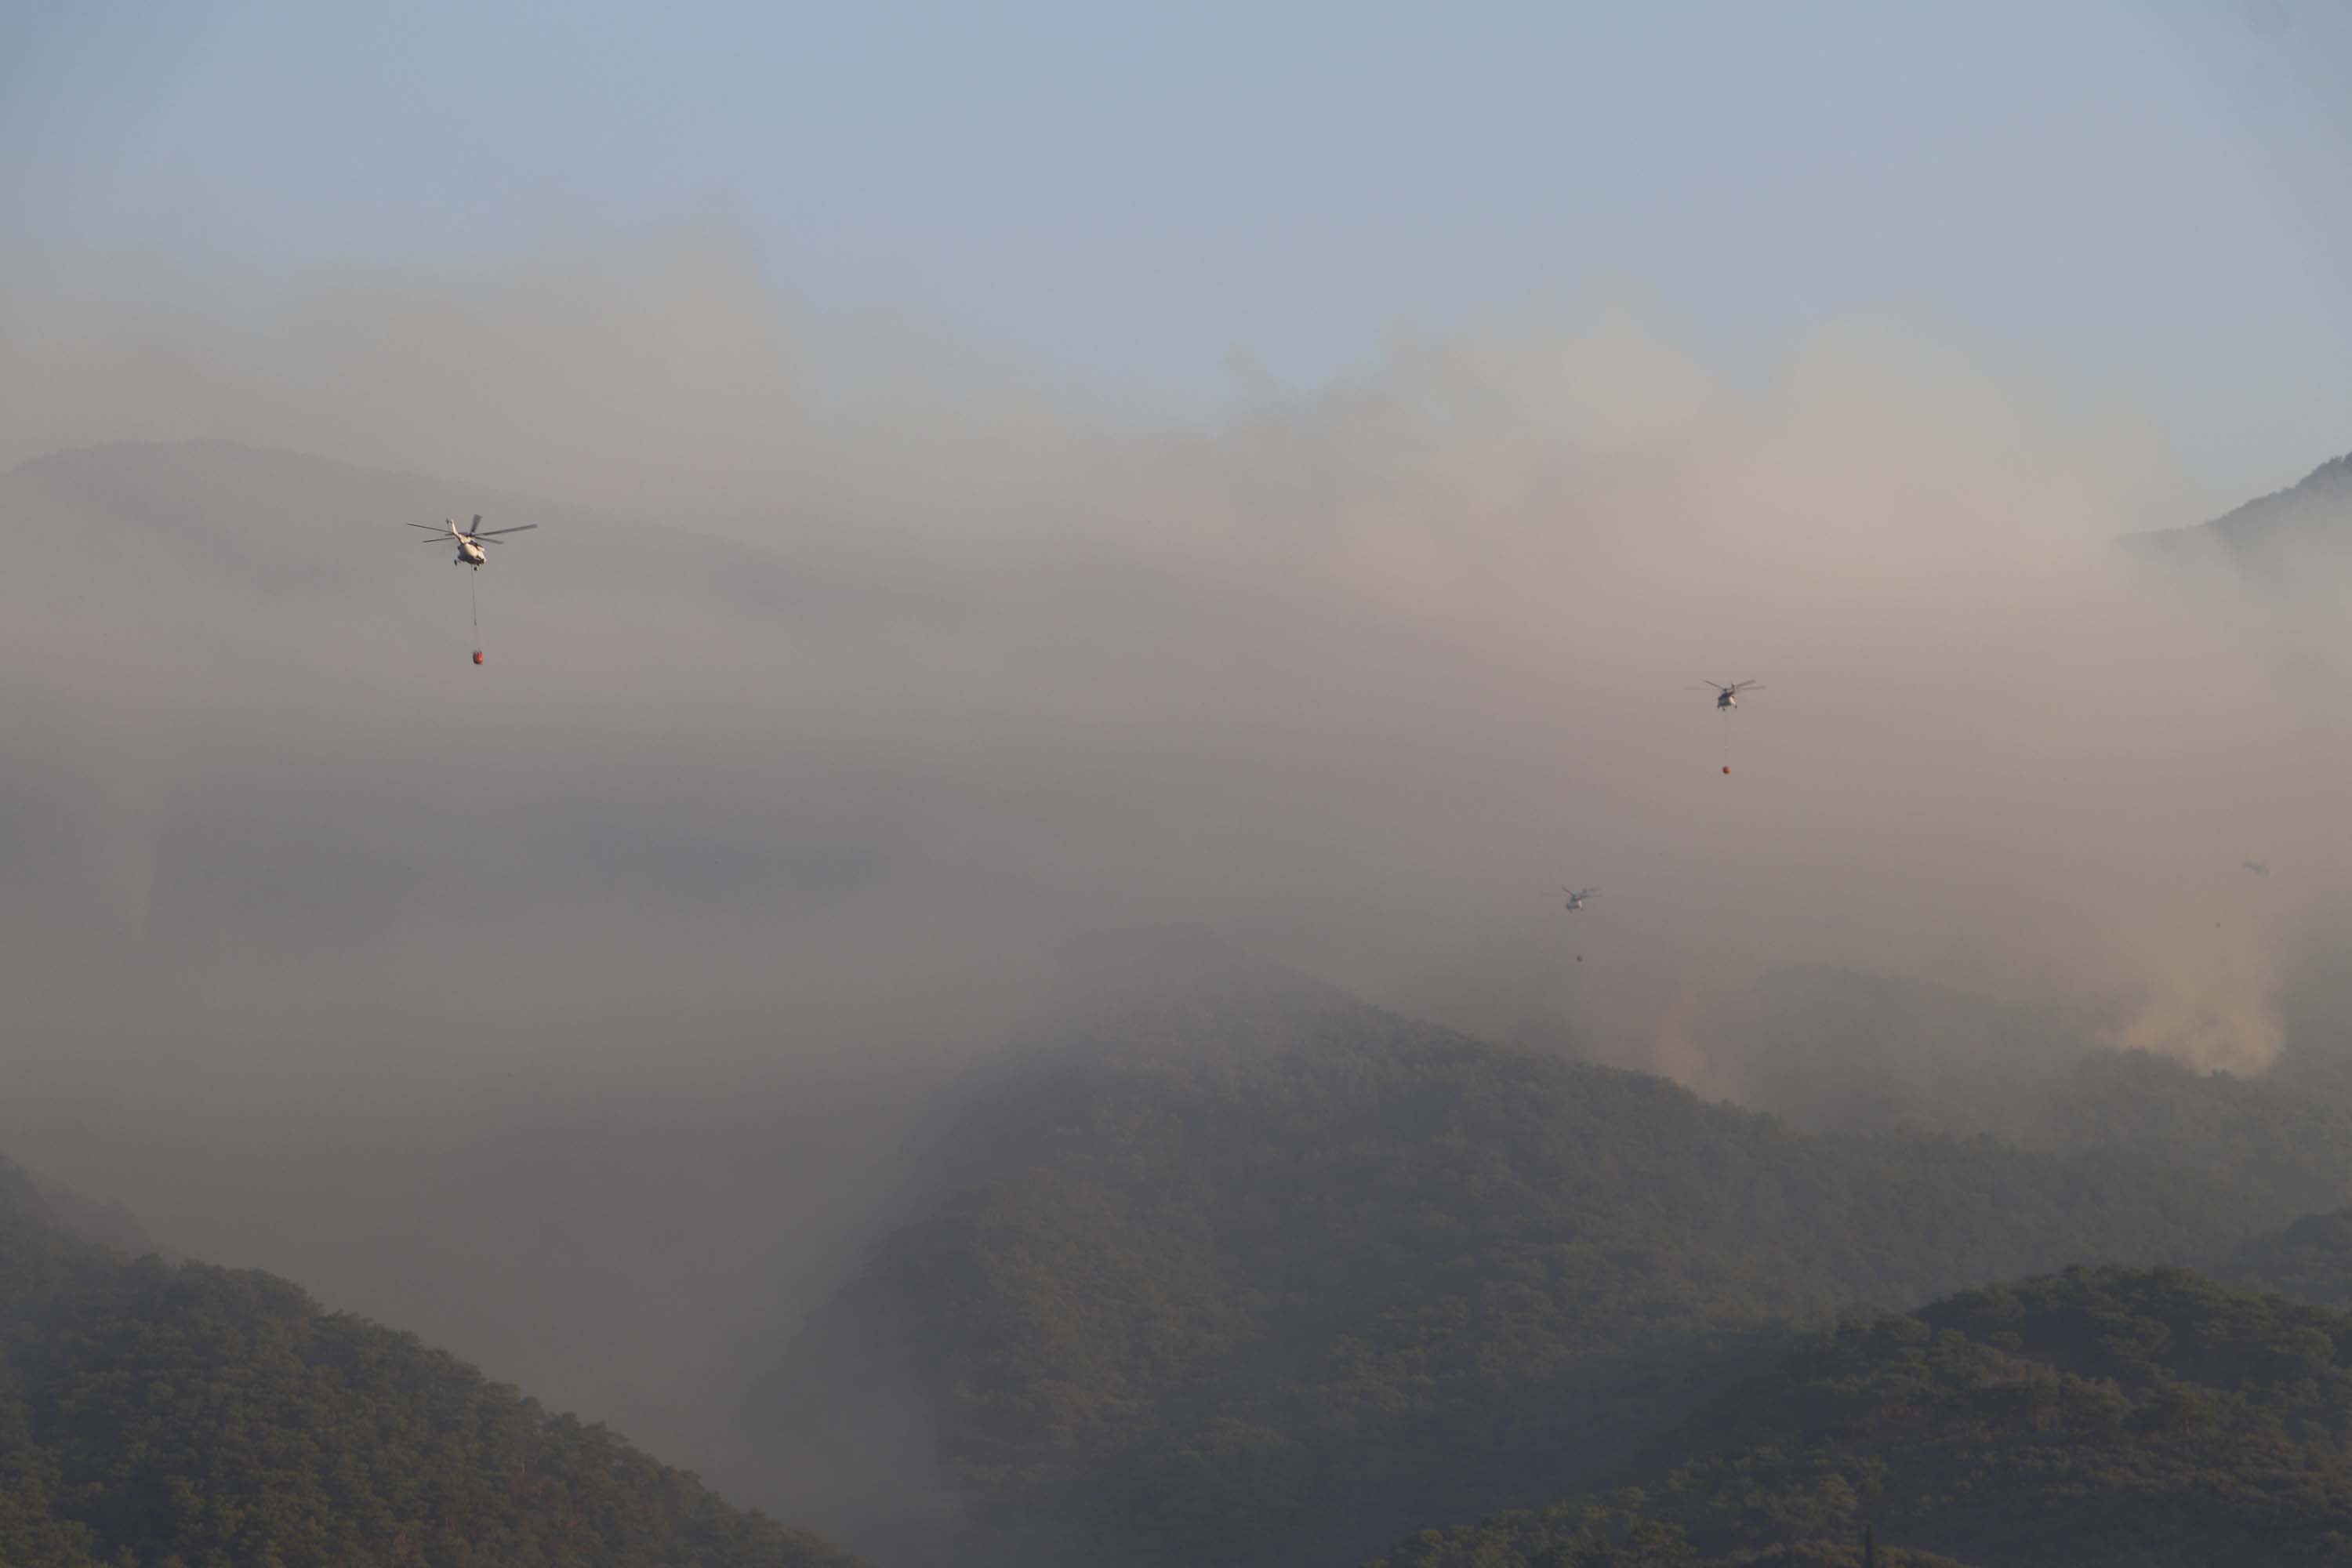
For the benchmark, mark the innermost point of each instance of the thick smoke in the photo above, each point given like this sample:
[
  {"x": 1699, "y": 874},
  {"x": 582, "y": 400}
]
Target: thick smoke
[{"x": 851, "y": 674}]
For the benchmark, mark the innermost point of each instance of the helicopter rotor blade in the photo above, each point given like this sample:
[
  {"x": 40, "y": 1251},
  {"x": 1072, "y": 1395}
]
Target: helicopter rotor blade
[{"x": 494, "y": 533}]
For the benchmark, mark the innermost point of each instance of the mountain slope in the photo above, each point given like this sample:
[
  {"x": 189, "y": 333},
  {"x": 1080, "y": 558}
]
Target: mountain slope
[
  {"x": 2310, "y": 1260},
  {"x": 1275, "y": 1287},
  {"x": 89, "y": 1219},
  {"x": 258, "y": 793},
  {"x": 1836, "y": 1049},
  {"x": 2319, "y": 506},
  {"x": 2273, "y": 532},
  {"x": 191, "y": 1415},
  {"x": 2097, "y": 1419}
]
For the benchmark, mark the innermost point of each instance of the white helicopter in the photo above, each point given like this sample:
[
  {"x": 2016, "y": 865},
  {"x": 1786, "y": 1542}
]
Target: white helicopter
[
  {"x": 1576, "y": 895},
  {"x": 1725, "y": 697},
  {"x": 469, "y": 541}
]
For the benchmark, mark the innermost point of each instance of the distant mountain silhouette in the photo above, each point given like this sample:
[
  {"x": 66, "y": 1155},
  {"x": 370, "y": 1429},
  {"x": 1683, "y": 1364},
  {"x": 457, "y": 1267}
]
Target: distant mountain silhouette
[{"x": 2273, "y": 530}]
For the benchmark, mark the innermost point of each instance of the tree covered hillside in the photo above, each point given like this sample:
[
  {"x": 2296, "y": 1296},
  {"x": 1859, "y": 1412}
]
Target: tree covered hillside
[
  {"x": 2097, "y": 1419},
  {"x": 1274, "y": 1284},
  {"x": 1838, "y": 1049},
  {"x": 2310, "y": 1260},
  {"x": 178, "y": 1416},
  {"x": 1617, "y": 1533}
]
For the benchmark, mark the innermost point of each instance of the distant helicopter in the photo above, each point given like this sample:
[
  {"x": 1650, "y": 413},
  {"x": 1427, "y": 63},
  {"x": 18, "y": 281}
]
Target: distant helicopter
[
  {"x": 469, "y": 541},
  {"x": 1576, "y": 895},
  {"x": 1725, "y": 697}
]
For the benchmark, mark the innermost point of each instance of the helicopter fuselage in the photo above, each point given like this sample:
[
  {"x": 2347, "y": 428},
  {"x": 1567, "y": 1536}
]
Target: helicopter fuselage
[
  {"x": 469, "y": 553},
  {"x": 1726, "y": 700}
]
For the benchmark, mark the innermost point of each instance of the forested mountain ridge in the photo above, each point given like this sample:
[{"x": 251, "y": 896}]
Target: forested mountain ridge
[
  {"x": 174, "y": 1416},
  {"x": 86, "y": 1218},
  {"x": 1839, "y": 1049},
  {"x": 2101, "y": 1418},
  {"x": 2310, "y": 1260},
  {"x": 2273, "y": 532},
  {"x": 2320, "y": 503},
  {"x": 1257, "y": 1284}
]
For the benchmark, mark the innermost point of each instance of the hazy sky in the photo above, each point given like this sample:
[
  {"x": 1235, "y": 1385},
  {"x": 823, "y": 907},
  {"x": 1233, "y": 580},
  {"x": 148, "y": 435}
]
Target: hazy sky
[
  {"x": 1009, "y": 472},
  {"x": 1145, "y": 202}
]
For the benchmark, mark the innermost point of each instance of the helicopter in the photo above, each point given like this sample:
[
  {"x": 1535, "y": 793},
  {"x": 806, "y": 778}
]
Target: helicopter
[
  {"x": 1727, "y": 698},
  {"x": 1576, "y": 895},
  {"x": 469, "y": 541}
]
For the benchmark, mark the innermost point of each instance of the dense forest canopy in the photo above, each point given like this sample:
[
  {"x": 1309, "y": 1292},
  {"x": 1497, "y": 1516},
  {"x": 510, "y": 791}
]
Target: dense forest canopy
[
  {"x": 173, "y": 1417},
  {"x": 1234, "y": 1269},
  {"x": 2102, "y": 1418},
  {"x": 1253, "y": 1275}
]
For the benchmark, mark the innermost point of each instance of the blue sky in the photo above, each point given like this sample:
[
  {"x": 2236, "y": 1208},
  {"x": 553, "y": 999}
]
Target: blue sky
[{"x": 2141, "y": 199}]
